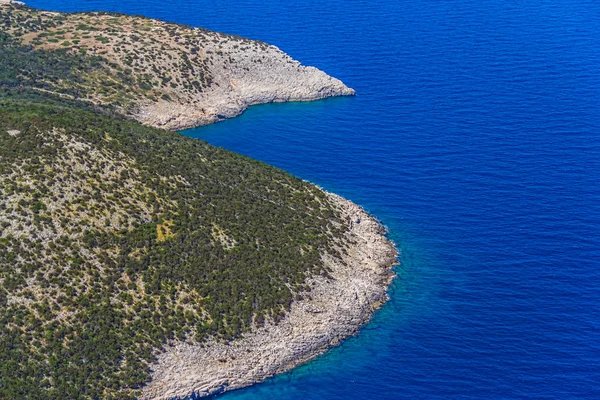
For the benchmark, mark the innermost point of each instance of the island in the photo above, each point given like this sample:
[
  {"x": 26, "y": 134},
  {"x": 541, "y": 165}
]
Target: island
[{"x": 136, "y": 262}]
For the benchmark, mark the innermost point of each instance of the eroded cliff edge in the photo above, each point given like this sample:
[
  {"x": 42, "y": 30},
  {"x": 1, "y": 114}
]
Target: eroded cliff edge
[{"x": 335, "y": 309}]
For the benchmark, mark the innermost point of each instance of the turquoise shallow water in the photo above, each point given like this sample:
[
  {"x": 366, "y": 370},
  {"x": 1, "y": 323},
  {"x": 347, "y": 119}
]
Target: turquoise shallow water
[{"x": 475, "y": 138}]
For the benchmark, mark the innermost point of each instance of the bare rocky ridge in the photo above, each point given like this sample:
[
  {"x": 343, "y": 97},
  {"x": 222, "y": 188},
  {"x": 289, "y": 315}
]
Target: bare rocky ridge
[{"x": 336, "y": 309}]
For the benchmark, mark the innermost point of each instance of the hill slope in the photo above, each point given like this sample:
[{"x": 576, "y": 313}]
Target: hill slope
[{"x": 121, "y": 237}]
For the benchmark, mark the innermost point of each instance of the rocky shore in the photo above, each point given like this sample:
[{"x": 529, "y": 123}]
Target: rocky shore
[
  {"x": 336, "y": 309},
  {"x": 239, "y": 82}
]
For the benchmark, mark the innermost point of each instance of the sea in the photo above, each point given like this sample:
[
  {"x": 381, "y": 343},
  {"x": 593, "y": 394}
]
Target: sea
[{"x": 475, "y": 138}]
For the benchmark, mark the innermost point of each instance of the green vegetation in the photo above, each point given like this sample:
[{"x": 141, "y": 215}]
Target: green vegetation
[
  {"x": 118, "y": 60},
  {"x": 182, "y": 240},
  {"x": 116, "y": 238},
  {"x": 59, "y": 73}
]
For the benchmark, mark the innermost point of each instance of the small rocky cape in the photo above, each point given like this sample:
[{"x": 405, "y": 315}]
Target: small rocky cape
[
  {"x": 167, "y": 75},
  {"x": 336, "y": 308},
  {"x": 243, "y": 83}
]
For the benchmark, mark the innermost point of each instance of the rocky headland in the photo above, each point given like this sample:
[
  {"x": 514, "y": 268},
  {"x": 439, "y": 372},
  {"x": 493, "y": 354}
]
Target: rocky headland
[
  {"x": 164, "y": 75},
  {"x": 335, "y": 309},
  {"x": 244, "y": 82}
]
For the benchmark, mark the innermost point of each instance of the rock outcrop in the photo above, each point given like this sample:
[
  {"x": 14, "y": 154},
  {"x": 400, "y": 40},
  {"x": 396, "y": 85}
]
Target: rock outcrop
[
  {"x": 337, "y": 307},
  {"x": 11, "y": 2}
]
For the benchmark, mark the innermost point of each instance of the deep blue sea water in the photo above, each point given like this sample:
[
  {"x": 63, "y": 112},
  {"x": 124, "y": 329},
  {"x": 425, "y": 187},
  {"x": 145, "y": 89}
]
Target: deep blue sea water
[{"x": 475, "y": 137}]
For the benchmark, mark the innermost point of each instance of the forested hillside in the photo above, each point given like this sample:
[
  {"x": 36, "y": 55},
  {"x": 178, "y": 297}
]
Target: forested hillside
[{"x": 116, "y": 237}]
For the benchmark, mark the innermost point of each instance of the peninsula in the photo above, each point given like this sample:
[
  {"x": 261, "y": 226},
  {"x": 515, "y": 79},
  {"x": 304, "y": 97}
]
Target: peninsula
[
  {"x": 163, "y": 75},
  {"x": 139, "y": 263}
]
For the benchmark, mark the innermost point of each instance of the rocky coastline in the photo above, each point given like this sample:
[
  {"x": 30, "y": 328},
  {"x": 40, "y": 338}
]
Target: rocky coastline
[
  {"x": 169, "y": 76},
  {"x": 335, "y": 310},
  {"x": 240, "y": 84}
]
